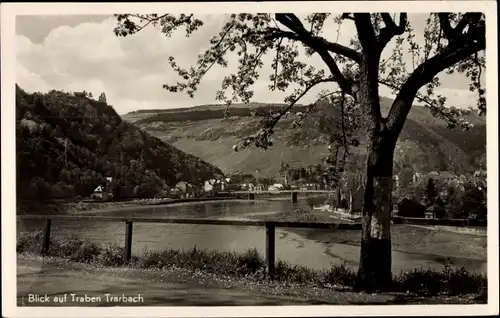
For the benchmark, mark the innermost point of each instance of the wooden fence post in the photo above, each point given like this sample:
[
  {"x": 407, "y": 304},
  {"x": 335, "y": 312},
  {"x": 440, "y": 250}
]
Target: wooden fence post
[
  {"x": 270, "y": 249},
  {"x": 46, "y": 236},
  {"x": 128, "y": 242}
]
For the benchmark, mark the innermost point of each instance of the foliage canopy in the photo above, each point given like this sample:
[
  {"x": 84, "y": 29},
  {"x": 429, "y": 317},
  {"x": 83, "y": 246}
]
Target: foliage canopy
[{"x": 452, "y": 43}]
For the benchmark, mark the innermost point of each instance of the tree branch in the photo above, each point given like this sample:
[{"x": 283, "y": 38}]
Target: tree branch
[
  {"x": 330, "y": 46},
  {"x": 294, "y": 24},
  {"x": 444, "y": 21},
  {"x": 311, "y": 107},
  {"x": 307, "y": 89},
  {"x": 277, "y": 61},
  {"x": 470, "y": 43},
  {"x": 261, "y": 139},
  {"x": 454, "y": 34},
  {"x": 149, "y": 21},
  {"x": 133, "y": 28},
  {"x": 391, "y": 29},
  {"x": 468, "y": 18},
  {"x": 347, "y": 16},
  {"x": 366, "y": 32},
  {"x": 342, "y": 115},
  {"x": 421, "y": 99}
]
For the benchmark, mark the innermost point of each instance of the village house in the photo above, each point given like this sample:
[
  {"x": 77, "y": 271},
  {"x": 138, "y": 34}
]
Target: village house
[
  {"x": 260, "y": 187},
  {"x": 184, "y": 189},
  {"x": 97, "y": 194},
  {"x": 245, "y": 181},
  {"x": 216, "y": 185},
  {"x": 182, "y": 186},
  {"x": 208, "y": 185},
  {"x": 435, "y": 211},
  {"x": 103, "y": 191},
  {"x": 433, "y": 174},
  {"x": 310, "y": 186},
  {"x": 247, "y": 186},
  {"x": 411, "y": 208},
  {"x": 232, "y": 185},
  {"x": 276, "y": 187},
  {"x": 444, "y": 176},
  {"x": 283, "y": 180},
  {"x": 285, "y": 176}
]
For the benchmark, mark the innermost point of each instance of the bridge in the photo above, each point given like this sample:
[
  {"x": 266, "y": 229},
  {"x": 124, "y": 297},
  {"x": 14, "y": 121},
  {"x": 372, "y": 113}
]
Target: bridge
[
  {"x": 283, "y": 191},
  {"x": 294, "y": 193}
]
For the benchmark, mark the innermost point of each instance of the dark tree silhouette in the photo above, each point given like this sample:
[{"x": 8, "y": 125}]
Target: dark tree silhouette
[
  {"x": 102, "y": 98},
  {"x": 430, "y": 192},
  {"x": 453, "y": 43}
]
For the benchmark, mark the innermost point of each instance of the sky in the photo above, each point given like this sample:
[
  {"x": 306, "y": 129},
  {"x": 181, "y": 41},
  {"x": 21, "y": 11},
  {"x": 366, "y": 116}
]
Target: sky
[{"x": 81, "y": 52}]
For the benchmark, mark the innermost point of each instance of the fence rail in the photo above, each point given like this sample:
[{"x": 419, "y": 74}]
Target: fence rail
[{"x": 269, "y": 225}]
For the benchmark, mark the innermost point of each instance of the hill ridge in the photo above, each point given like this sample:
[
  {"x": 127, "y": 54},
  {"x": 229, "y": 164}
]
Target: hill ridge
[{"x": 426, "y": 144}]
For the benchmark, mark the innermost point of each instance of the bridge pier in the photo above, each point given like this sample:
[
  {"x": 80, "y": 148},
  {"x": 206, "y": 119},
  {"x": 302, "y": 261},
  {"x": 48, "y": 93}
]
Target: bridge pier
[
  {"x": 294, "y": 197},
  {"x": 251, "y": 196}
]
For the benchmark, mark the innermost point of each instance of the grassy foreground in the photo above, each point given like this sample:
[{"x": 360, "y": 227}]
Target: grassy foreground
[{"x": 250, "y": 265}]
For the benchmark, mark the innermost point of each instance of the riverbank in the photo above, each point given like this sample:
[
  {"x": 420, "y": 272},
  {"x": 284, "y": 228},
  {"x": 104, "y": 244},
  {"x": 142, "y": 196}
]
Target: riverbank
[
  {"x": 426, "y": 244},
  {"x": 76, "y": 207},
  {"x": 249, "y": 268}
]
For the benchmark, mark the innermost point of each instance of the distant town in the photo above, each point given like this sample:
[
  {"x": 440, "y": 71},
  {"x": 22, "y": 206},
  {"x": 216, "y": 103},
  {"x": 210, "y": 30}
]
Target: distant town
[{"x": 426, "y": 195}]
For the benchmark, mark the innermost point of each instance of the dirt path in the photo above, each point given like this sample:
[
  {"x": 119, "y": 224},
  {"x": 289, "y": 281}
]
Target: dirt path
[
  {"x": 36, "y": 278},
  {"x": 62, "y": 283}
]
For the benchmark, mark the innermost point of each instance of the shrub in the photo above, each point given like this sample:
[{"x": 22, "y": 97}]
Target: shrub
[
  {"x": 448, "y": 281},
  {"x": 295, "y": 274},
  {"x": 65, "y": 247},
  {"x": 419, "y": 281},
  {"x": 340, "y": 275},
  {"x": 29, "y": 242},
  {"x": 460, "y": 281},
  {"x": 250, "y": 261},
  {"x": 111, "y": 255},
  {"x": 86, "y": 253}
]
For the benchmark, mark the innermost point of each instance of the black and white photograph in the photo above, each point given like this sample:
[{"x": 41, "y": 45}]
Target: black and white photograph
[{"x": 250, "y": 159}]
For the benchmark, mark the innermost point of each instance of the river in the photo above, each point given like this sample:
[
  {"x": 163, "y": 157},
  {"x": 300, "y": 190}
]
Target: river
[{"x": 308, "y": 247}]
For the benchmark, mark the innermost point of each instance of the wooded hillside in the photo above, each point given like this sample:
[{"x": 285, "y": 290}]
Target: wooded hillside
[{"x": 67, "y": 145}]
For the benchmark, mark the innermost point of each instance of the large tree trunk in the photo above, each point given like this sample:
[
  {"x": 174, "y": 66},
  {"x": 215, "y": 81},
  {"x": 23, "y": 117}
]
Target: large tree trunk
[{"x": 375, "y": 260}]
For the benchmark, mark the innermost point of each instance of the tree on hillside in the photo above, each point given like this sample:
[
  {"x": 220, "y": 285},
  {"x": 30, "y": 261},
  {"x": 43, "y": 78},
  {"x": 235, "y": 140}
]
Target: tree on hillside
[
  {"x": 430, "y": 192},
  {"x": 452, "y": 43},
  {"x": 102, "y": 98},
  {"x": 285, "y": 171}
]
